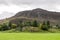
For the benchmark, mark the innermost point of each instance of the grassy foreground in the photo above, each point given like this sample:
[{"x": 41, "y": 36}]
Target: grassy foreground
[{"x": 29, "y": 36}]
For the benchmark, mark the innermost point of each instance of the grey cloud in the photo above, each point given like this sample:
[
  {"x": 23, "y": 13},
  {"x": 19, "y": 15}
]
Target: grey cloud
[
  {"x": 47, "y": 4},
  {"x": 31, "y": 2},
  {"x": 6, "y": 15}
]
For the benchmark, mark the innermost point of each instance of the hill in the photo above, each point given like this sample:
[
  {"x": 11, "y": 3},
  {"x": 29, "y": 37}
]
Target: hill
[{"x": 36, "y": 14}]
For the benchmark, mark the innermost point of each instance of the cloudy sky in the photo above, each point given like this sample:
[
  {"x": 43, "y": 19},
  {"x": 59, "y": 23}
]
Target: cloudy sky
[{"x": 9, "y": 8}]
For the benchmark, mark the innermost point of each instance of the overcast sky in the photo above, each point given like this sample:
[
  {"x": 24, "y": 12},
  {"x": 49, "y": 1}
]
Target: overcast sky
[{"x": 10, "y": 7}]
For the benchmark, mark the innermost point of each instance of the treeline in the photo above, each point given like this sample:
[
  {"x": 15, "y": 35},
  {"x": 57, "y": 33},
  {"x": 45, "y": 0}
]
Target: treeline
[{"x": 30, "y": 26}]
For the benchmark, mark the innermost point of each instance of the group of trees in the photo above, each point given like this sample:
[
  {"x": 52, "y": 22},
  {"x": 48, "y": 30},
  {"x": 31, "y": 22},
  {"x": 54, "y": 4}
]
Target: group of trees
[
  {"x": 45, "y": 25},
  {"x": 28, "y": 25},
  {"x": 20, "y": 25}
]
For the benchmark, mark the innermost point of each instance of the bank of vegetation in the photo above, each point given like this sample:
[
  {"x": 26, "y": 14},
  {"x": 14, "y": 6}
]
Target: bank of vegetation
[{"x": 29, "y": 26}]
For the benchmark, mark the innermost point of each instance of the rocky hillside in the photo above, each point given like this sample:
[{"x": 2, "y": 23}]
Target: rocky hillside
[
  {"x": 39, "y": 13},
  {"x": 36, "y": 14}
]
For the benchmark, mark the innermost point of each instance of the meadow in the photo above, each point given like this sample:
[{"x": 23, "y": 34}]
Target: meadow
[{"x": 29, "y": 36}]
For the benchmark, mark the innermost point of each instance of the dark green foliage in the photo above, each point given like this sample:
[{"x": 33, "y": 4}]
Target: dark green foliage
[
  {"x": 10, "y": 25},
  {"x": 28, "y": 23},
  {"x": 4, "y": 27},
  {"x": 45, "y": 25},
  {"x": 58, "y": 26},
  {"x": 35, "y": 23},
  {"x": 20, "y": 26},
  {"x": 13, "y": 26},
  {"x": 48, "y": 24},
  {"x": 30, "y": 26}
]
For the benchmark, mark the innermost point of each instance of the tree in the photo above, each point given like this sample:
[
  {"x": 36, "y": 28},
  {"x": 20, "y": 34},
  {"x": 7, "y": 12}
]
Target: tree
[
  {"x": 10, "y": 25},
  {"x": 35, "y": 23},
  {"x": 48, "y": 24},
  {"x": 45, "y": 25},
  {"x": 20, "y": 26},
  {"x": 58, "y": 26},
  {"x": 14, "y": 26},
  {"x": 4, "y": 27}
]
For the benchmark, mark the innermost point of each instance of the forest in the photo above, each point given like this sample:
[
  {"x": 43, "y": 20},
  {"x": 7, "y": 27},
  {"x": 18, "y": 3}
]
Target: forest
[{"x": 30, "y": 26}]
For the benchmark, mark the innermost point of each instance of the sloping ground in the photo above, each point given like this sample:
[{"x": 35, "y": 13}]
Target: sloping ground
[
  {"x": 35, "y": 14},
  {"x": 39, "y": 15}
]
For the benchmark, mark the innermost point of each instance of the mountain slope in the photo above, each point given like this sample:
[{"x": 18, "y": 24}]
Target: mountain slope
[{"x": 38, "y": 14}]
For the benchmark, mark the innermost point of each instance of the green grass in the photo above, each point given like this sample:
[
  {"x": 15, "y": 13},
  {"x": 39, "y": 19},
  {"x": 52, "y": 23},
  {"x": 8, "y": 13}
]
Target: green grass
[{"x": 29, "y": 36}]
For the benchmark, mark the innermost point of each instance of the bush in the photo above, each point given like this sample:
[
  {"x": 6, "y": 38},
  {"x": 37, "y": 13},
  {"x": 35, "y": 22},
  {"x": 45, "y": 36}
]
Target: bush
[{"x": 14, "y": 26}]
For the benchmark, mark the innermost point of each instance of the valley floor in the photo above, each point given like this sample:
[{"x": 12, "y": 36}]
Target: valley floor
[{"x": 29, "y": 36}]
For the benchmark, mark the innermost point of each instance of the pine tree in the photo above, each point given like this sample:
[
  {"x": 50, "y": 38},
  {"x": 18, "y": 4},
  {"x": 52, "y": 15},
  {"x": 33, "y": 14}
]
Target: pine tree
[
  {"x": 10, "y": 25},
  {"x": 48, "y": 24},
  {"x": 35, "y": 24}
]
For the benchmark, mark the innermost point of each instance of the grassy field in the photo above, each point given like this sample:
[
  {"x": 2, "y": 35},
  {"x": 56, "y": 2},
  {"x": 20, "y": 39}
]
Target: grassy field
[{"x": 29, "y": 36}]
